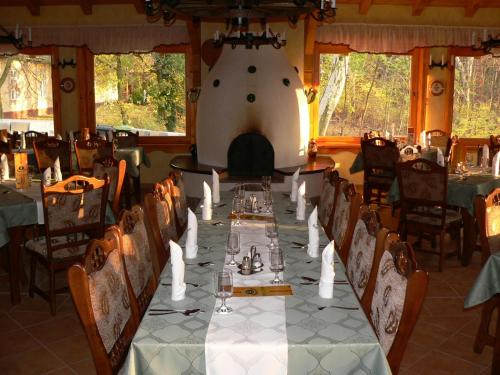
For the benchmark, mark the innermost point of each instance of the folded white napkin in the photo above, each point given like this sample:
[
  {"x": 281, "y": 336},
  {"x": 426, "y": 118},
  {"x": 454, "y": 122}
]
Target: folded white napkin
[
  {"x": 312, "y": 223},
  {"x": 57, "y": 170},
  {"x": 486, "y": 155},
  {"x": 423, "y": 139},
  {"x": 206, "y": 211},
  {"x": 47, "y": 176},
  {"x": 5, "y": 167},
  {"x": 71, "y": 136},
  {"x": 215, "y": 187},
  {"x": 295, "y": 185},
  {"x": 387, "y": 135},
  {"x": 495, "y": 165},
  {"x": 23, "y": 141},
  {"x": 58, "y": 137},
  {"x": 178, "y": 284},
  {"x": 192, "y": 236},
  {"x": 327, "y": 272},
  {"x": 110, "y": 135},
  {"x": 301, "y": 202},
  {"x": 440, "y": 157}
]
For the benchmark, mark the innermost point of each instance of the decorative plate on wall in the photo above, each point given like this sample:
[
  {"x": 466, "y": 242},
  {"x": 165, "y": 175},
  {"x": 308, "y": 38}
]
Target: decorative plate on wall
[
  {"x": 67, "y": 84},
  {"x": 437, "y": 87}
]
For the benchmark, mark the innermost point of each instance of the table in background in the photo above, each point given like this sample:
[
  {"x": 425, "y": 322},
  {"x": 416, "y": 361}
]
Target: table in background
[
  {"x": 358, "y": 165},
  {"x": 317, "y": 341},
  {"x": 486, "y": 291}
]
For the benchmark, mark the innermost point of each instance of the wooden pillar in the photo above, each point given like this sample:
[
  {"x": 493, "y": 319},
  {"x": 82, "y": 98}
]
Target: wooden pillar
[
  {"x": 85, "y": 87},
  {"x": 194, "y": 74},
  {"x": 311, "y": 77}
]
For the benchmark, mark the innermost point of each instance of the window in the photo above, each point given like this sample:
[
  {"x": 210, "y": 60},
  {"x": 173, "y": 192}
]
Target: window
[
  {"x": 141, "y": 92},
  {"x": 476, "y": 103},
  {"x": 22, "y": 105},
  {"x": 361, "y": 92}
]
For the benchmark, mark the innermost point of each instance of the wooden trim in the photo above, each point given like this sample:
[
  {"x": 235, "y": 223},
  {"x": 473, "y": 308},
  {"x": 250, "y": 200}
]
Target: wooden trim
[
  {"x": 193, "y": 76},
  {"x": 420, "y": 70},
  {"x": 85, "y": 85}
]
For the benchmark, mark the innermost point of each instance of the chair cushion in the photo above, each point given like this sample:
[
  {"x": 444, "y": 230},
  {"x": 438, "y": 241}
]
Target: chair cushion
[
  {"x": 451, "y": 217},
  {"x": 39, "y": 246}
]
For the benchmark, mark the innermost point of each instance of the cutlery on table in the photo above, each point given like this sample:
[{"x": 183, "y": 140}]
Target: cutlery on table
[
  {"x": 201, "y": 264},
  {"x": 219, "y": 205},
  {"x": 217, "y": 223},
  {"x": 154, "y": 312},
  {"x": 338, "y": 307},
  {"x": 193, "y": 284},
  {"x": 317, "y": 283}
]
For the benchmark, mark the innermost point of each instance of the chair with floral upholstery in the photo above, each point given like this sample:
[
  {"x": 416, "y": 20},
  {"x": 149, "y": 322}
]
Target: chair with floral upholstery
[
  {"x": 32, "y": 136},
  {"x": 179, "y": 200},
  {"x": 105, "y": 303},
  {"x": 423, "y": 190},
  {"x": 160, "y": 214},
  {"x": 47, "y": 150},
  {"x": 88, "y": 151},
  {"x": 115, "y": 170},
  {"x": 344, "y": 219},
  {"x": 398, "y": 295},
  {"x": 487, "y": 212},
  {"x": 327, "y": 201},
  {"x": 137, "y": 255},
  {"x": 379, "y": 163},
  {"x": 74, "y": 212}
]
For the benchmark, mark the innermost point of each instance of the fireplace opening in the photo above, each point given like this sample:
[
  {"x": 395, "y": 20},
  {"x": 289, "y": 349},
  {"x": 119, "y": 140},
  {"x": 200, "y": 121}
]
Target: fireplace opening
[{"x": 250, "y": 154}]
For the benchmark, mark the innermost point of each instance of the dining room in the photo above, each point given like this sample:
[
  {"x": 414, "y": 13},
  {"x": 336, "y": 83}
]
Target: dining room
[{"x": 249, "y": 187}]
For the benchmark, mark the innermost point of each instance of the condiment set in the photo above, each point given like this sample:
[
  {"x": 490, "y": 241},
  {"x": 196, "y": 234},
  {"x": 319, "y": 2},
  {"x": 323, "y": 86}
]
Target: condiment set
[{"x": 251, "y": 264}]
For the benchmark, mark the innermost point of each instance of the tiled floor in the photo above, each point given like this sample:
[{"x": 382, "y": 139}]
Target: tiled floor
[{"x": 34, "y": 342}]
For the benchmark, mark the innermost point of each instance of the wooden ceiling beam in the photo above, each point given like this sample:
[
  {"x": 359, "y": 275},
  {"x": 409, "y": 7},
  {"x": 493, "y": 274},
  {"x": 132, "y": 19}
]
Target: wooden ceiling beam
[
  {"x": 419, "y": 6},
  {"x": 86, "y": 6},
  {"x": 471, "y": 7},
  {"x": 33, "y": 6},
  {"x": 364, "y": 5}
]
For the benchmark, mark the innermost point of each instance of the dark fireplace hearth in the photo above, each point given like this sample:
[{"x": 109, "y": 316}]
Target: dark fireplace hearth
[{"x": 250, "y": 154}]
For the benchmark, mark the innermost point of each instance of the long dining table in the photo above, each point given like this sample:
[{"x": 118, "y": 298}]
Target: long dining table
[{"x": 264, "y": 335}]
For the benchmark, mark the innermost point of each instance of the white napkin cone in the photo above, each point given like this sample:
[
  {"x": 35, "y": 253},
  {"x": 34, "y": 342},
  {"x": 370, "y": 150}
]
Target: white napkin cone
[
  {"x": 295, "y": 185},
  {"x": 206, "y": 211},
  {"x": 23, "y": 141},
  {"x": 486, "y": 152},
  {"x": 423, "y": 139},
  {"x": 57, "y": 170},
  {"x": 71, "y": 136},
  {"x": 215, "y": 187},
  {"x": 58, "y": 137},
  {"x": 46, "y": 176},
  {"x": 312, "y": 223},
  {"x": 110, "y": 135},
  {"x": 192, "y": 236},
  {"x": 495, "y": 165},
  {"x": 301, "y": 202},
  {"x": 327, "y": 272},
  {"x": 440, "y": 157},
  {"x": 178, "y": 284},
  {"x": 5, "y": 167}
]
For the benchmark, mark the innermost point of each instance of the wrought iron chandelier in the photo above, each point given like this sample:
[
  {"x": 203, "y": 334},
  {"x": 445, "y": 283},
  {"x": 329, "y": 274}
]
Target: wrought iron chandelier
[
  {"x": 15, "y": 38},
  {"x": 237, "y": 13}
]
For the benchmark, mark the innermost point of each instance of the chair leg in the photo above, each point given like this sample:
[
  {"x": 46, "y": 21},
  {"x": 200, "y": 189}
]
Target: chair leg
[
  {"x": 52, "y": 290},
  {"x": 31, "y": 289},
  {"x": 495, "y": 366},
  {"x": 441, "y": 250},
  {"x": 483, "y": 336}
]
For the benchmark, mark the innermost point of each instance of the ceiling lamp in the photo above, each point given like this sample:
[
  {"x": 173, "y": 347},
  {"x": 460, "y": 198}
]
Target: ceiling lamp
[
  {"x": 15, "y": 38},
  {"x": 239, "y": 12}
]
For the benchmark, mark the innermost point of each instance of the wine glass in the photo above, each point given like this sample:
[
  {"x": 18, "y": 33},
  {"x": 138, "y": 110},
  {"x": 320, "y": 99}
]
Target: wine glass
[
  {"x": 223, "y": 289},
  {"x": 233, "y": 246},
  {"x": 268, "y": 200},
  {"x": 272, "y": 232},
  {"x": 276, "y": 264},
  {"x": 237, "y": 208}
]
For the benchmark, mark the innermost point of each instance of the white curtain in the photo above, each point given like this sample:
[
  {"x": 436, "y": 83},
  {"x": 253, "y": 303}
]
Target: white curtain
[{"x": 401, "y": 38}]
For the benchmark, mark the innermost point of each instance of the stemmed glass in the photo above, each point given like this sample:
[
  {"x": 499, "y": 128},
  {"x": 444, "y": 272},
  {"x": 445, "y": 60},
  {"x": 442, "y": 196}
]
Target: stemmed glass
[
  {"x": 272, "y": 232},
  {"x": 233, "y": 246},
  {"x": 223, "y": 289},
  {"x": 237, "y": 208},
  {"x": 277, "y": 264},
  {"x": 268, "y": 200},
  {"x": 266, "y": 183}
]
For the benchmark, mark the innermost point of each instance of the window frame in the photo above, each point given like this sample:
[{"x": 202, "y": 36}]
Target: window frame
[{"x": 330, "y": 143}]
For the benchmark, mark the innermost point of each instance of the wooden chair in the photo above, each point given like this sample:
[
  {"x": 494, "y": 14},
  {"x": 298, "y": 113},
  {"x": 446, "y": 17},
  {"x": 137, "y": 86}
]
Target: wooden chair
[
  {"x": 160, "y": 213},
  {"x": 33, "y": 136},
  {"x": 327, "y": 198},
  {"x": 74, "y": 212},
  {"x": 441, "y": 140},
  {"x": 379, "y": 162},
  {"x": 105, "y": 303},
  {"x": 345, "y": 216},
  {"x": 179, "y": 201},
  {"x": 487, "y": 212},
  {"x": 77, "y": 136},
  {"x": 115, "y": 170},
  {"x": 494, "y": 145},
  {"x": 5, "y": 142},
  {"x": 398, "y": 295},
  {"x": 48, "y": 150},
  {"x": 125, "y": 138},
  {"x": 422, "y": 189},
  {"x": 87, "y": 151}
]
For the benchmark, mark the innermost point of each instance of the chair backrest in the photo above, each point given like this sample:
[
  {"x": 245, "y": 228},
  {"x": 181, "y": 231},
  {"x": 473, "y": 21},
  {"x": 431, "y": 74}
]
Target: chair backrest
[
  {"x": 137, "y": 255},
  {"x": 423, "y": 184},
  {"x": 327, "y": 197},
  {"x": 494, "y": 144},
  {"x": 408, "y": 150},
  {"x": 72, "y": 208},
  {"x": 105, "y": 303},
  {"x": 48, "y": 150},
  {"x": 115, "y": 170},
  {"x": 379, "y": 155},
  {"x": 33, "y": 136},
  {"x": 5, "y": 142},
  {"x": 77, "y": 136},
  {"x": 487, "y": 212},
  {"x": 87, "y": 151},
  {"x": 345, "y": 216},
  {"x": 125, "y": 138},
  {"x": 364, "y": 245},
  {"x": 399, "y": 292},
  {"x": 179, "y": 201}
]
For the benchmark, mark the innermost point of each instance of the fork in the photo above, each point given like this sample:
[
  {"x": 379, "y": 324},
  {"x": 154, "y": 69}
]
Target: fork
[
  {"x": 168, "y": 312},
  {"x": 338, "y": 307},
  {"x": 170, "y": 284},
  {"x": 201, "y": 264}
]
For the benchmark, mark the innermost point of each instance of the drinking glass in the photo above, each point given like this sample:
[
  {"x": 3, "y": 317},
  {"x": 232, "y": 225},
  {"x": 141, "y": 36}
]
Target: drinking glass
[
  {"x": 237, "y": 208},
  {"x": 223, "y": 289},
  {"x": 268, "y": 200},
  {"x": 233, "y": 246},
  {"x": 272, "y": 232},
  {"x": 276, "y": 264}
]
